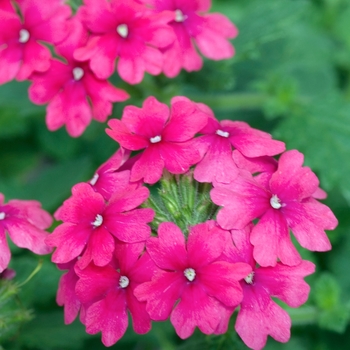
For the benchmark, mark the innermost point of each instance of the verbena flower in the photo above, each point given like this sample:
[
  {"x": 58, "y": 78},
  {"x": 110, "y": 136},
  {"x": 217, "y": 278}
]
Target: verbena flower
[
  {"x": 284, "y": 202},
  {"x": 125, "y": 35},
  {"x": 73, "y": 92},
  {"x": 90, "y": 225},
  {"x": 25, "y": 222},
  {"x": 21, "y": 36},
  {"x": 259, "y": 316},
  {"x": 109, "y": 291},
  {"x": 194, "y": 29},
  {"x": 193, "y": 285},
  {"x": 167, "y": 137}
]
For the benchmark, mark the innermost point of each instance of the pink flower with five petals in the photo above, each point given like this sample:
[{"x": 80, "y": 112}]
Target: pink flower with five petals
[
  {"x": 285, "y": 201},
  {"x": 193, "y": 285},
  {"x": 73, "y": 92},
  {"x": 128, "y": 32},
  {"x": 259, "y": 316},
  {"x": 21, "y": 51},
  {"x": 109, "y": 292},
  {"x": 166, "y": 136},
  {"x": 91, "y": 226},
  {"x": 193, "y": 28}
]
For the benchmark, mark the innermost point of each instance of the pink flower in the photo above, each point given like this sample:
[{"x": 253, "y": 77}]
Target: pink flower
[
  {"x": 127, "y": 31},
  {"x": 25, "y": 222},
  {"x": 110, "y": 291},
  {"x": 75, "y": 95},
  {"x": 218, "y": 141},
  {"x": 258, "y": 315},
  {"x": 285, "y": 202},
  {"x": 165, "y": 135},
  {"x": 90, "y": 226},
  {"x": 194, "y": 28},
  {"x": 194, "y": 285},
  {"x": 21, "y": 51}
]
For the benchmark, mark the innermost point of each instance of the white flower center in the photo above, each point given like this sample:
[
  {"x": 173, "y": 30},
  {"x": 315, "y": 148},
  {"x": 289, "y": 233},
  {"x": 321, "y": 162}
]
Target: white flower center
[
  {"x": 155, "y": 139},
  {"x": 222, "y": 133},
  {"x": 179, "y": 16},
  {"x": 275, "y": 202},
  {"x": 94, "y": 180},
  {"x": 2, "y": 216},
  {"x": 190, "y": 274},
  {"x": 78, "y": 73},
  {"x": 250, "y": 278},
  {"x": 23, "y": 36},
  {"x": 123, "y": 30},
  {"x": 98, "y": 221},
  {"x": 123, "y": 281}
]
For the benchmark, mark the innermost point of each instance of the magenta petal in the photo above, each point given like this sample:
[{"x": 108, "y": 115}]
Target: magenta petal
[
  {"x": 120, "y": 133},
  {"x": 196, "y": 308},
  {"x": 308, "y": 220},
  {"x": 271, "y": 240},
  {"x": 186, "y": 120},
  {"x": 291, "y": 181},
  {"x": 178, "y": 157},
  {"x": 286, "y": 282},
  {"x": 70, "y": 241},
  {"x": 10, "y": 58},
  {"x": 131, "y": 70},
  {"x": 128, "y": 255},
  {"x": 99, "y": 249},
  {"x": 168, "y": 251},
  {"x": 260, "y": 317},
  {"x": 221, "y": 281},
  {"x": 108, "y": 316},
  {"x": 130, "y": 227},
  {"x": 243, "y": 200},
  {"x": 67, "y": 297},
  {"x": 140, "y": 318},
  {"x": 149, "y": 166},
  {"x": 161, "y": 293},
  {"x": 26, "y": 235},
  {"x": 94, "y": 282},
  {"x": 218, "y": 164},
  {"x": 129, "y": 200},
  {"x": 5, "y": 254},
  {"x": 205, "y": 244}
]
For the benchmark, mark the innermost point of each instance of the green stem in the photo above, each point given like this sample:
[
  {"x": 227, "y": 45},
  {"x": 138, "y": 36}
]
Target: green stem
[{"x": 304, "y": 315}]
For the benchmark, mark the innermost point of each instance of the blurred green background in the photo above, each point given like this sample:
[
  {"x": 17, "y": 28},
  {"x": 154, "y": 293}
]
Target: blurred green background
[{"x": 291, "y": 77}]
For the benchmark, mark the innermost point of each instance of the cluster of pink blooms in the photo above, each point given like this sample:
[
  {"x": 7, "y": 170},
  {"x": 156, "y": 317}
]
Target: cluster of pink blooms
[
  {"x": 117, "y": 261},
  {"x": 128, "y": 36},
  {"x": 117, "y": 264}
]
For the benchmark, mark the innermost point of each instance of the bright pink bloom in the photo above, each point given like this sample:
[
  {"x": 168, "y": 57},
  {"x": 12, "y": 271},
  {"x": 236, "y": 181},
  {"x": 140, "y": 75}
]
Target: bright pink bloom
[
  {"x": 218, "y": 142},
  {"x": 166, "y": 136},
  {"x": 73, "y": 93},
  {"x": 285, "y": 202},
  {"x": 90, "y": 225},
  {"x": 127, "y": 31},
  {"x": 21, "y": 51},
  {"x": 25, "y": 222},
  {"x": 194, "y": 28},
  {"x": 192, "y": 274},
  {"x": 258, "y": 315},
  {"x": 110, "y": 291}
]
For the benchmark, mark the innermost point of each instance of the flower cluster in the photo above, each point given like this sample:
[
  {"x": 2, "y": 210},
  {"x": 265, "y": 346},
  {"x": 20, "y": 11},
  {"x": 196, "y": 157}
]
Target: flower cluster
[
  {"x": 128, "y": 36},
  {"x": 215, "y": 238}
]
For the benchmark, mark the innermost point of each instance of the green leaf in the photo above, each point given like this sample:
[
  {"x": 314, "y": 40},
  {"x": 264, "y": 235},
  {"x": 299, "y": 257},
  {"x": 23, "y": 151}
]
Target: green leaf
[{"x": 326, "y": 292}]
